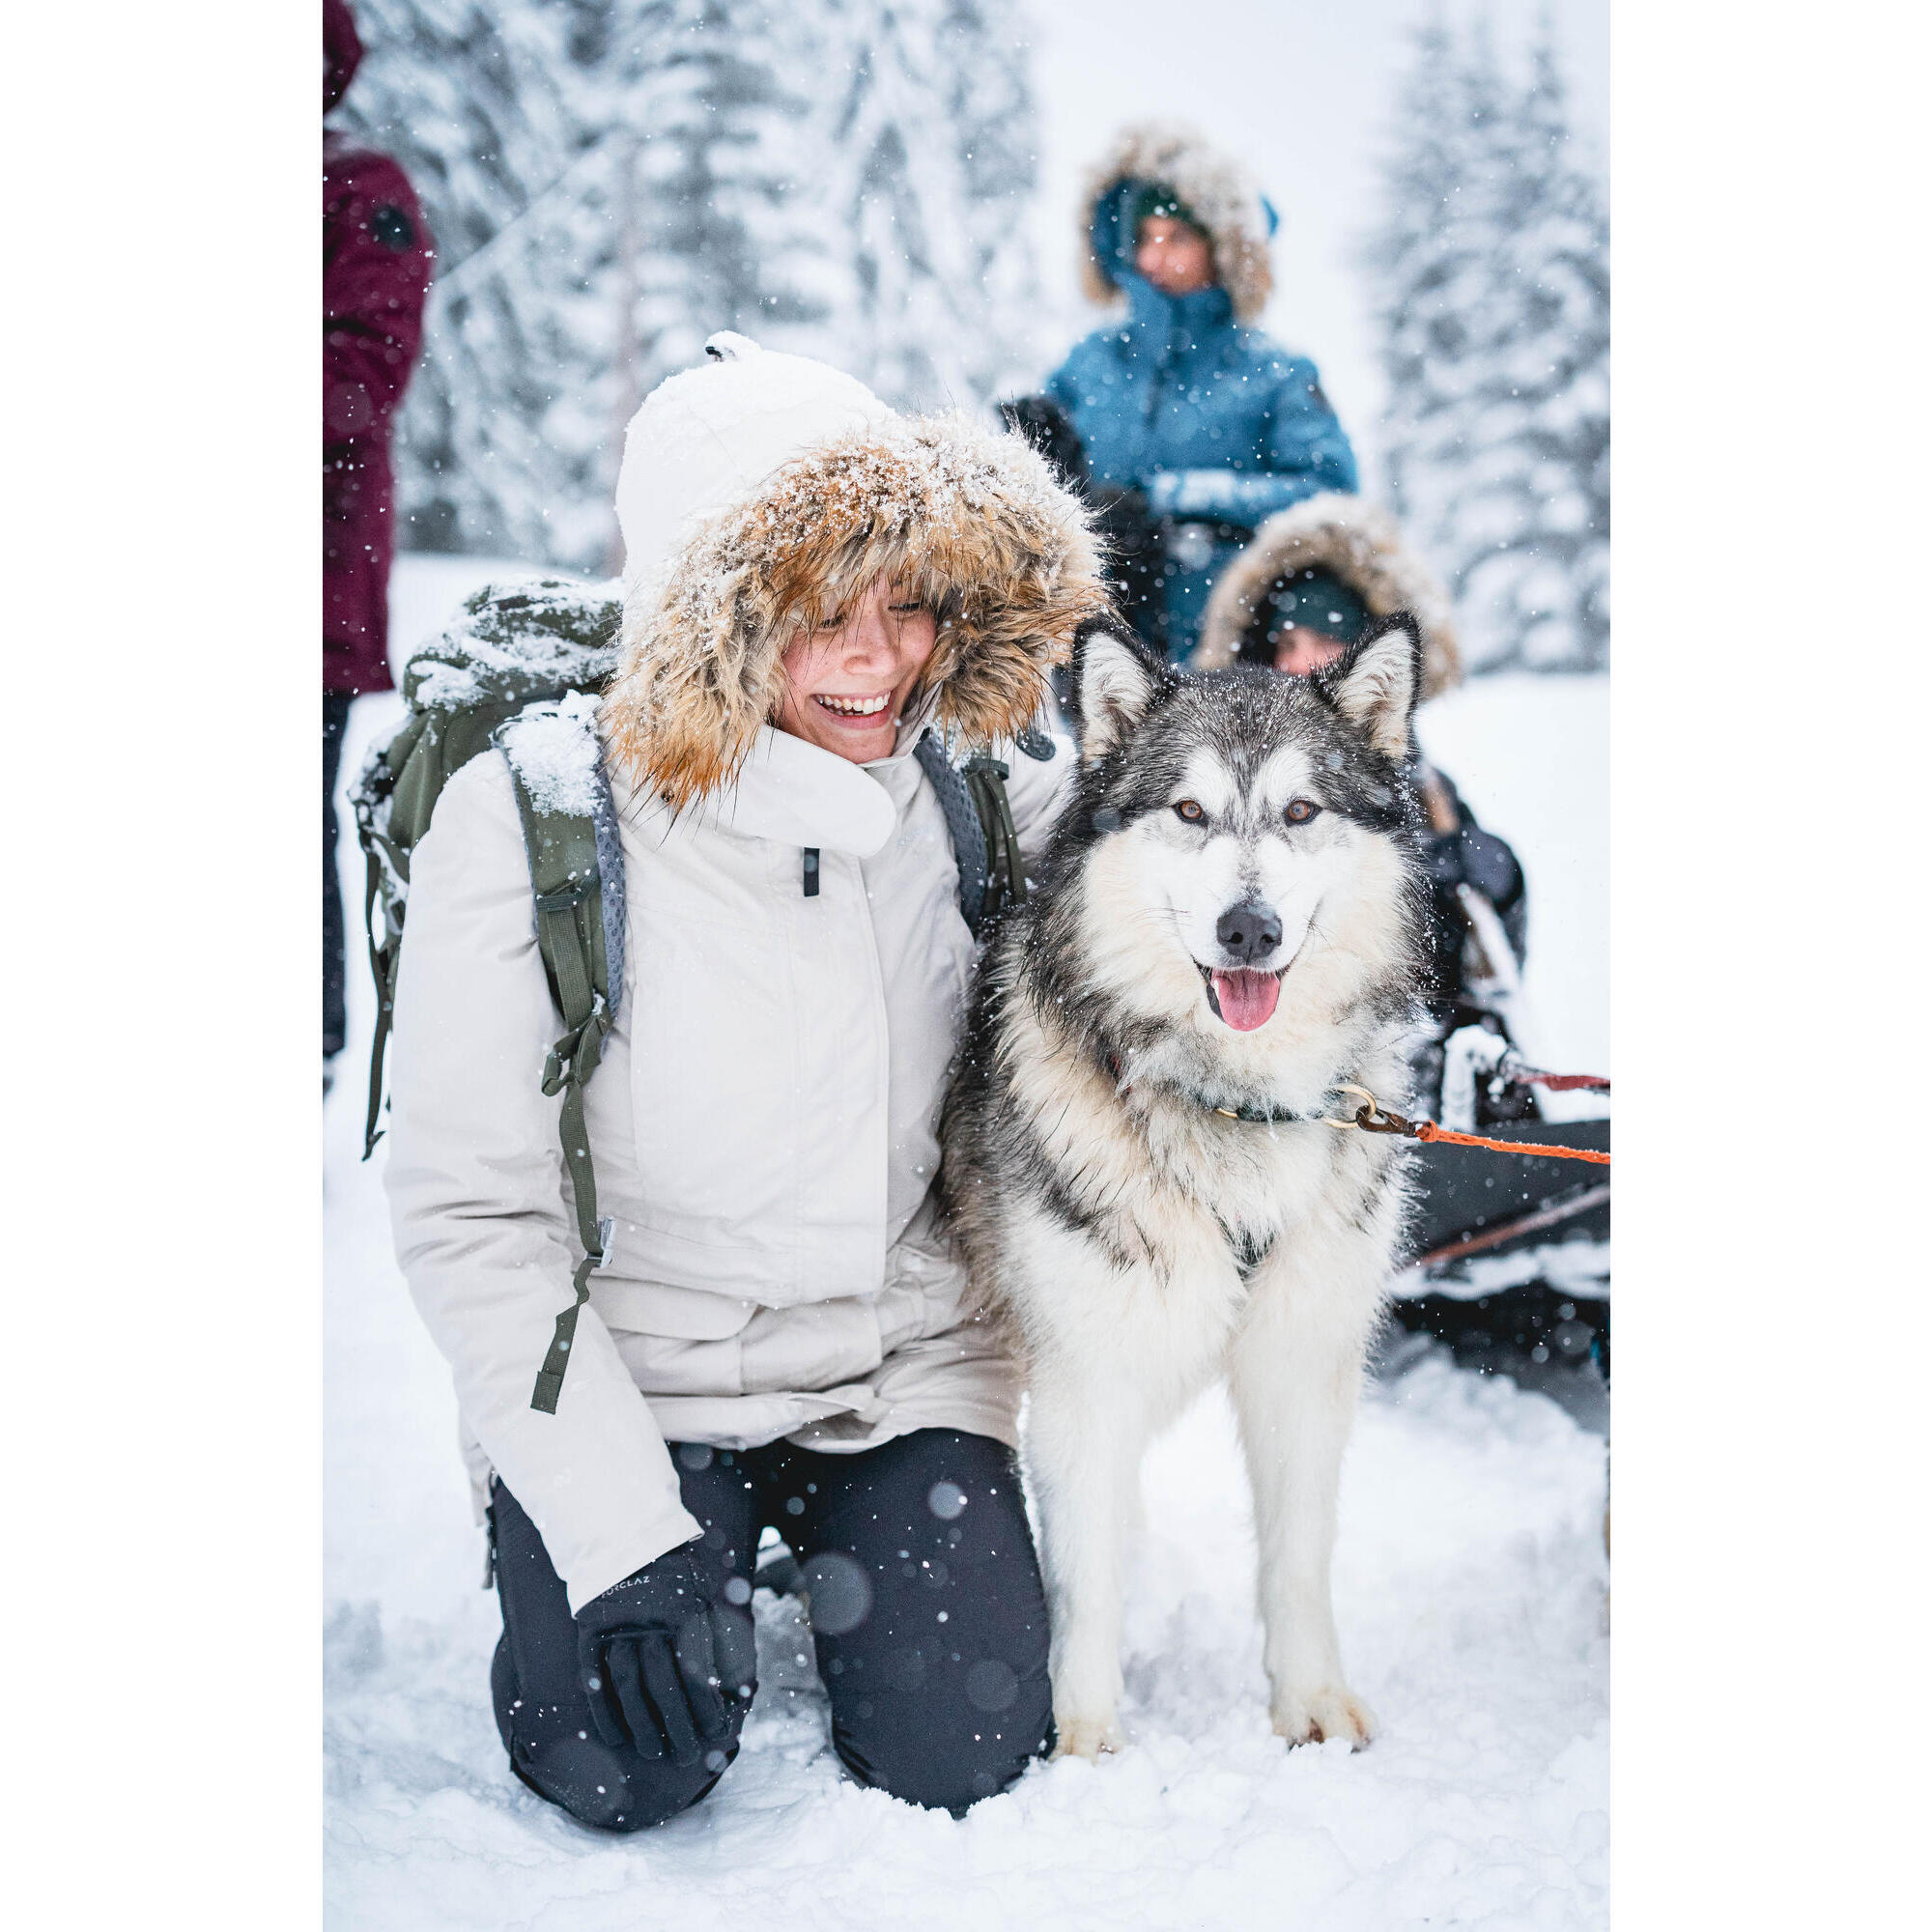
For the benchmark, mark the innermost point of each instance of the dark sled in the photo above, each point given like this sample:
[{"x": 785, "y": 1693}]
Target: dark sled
[
  {"x": 1473, "y": 1206},
  {"x": 1473, "y": 1201}
]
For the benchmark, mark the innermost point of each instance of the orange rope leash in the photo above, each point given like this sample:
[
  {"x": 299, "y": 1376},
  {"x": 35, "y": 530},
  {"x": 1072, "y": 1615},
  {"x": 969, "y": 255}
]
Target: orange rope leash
[
  {"x": 1370, "y": 1119},
  {"x": 1428, "y": 1130}
]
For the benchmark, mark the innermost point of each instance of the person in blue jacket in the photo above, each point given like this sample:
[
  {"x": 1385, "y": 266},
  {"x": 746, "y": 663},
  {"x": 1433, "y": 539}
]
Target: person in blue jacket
[{"x": 1213, "y": 421}]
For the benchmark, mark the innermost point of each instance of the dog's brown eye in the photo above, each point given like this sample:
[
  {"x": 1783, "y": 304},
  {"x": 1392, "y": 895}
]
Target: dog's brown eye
[
  {"x": 1301, "y": 810},
  {"x": 1190, "y": 812}
]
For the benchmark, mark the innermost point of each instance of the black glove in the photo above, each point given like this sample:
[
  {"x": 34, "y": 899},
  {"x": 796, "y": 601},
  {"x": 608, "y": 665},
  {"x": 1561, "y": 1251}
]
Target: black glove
[
  {"x": 1050, "y": 430},
  {"x": 649, "y": 1655},
  {"x": 1491, "y": 866},
  {"x": 1138, "y": 561}
]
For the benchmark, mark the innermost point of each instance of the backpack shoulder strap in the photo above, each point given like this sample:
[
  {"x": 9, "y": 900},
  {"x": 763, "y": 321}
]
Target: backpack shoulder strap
[
  {"x": 570, "y": 836},
  {"x": 963, "y": 824},
  {"x": 980, "y": 822},
  {"x": 1006, "y": 875}
]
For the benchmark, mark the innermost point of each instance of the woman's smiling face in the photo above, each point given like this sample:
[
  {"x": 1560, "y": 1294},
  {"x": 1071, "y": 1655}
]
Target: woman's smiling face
[{"x": 846, "y": 683}]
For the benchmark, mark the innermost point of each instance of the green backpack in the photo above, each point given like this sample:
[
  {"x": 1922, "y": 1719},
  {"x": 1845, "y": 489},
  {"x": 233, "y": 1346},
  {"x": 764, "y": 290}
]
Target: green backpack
[{"x": 521, "y": 669}]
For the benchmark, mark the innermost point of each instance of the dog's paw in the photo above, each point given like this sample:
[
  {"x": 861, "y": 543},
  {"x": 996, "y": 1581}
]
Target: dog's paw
[
  {"x": 1090, "y": 1738},
  {"x": 1321, "y": 1716}
]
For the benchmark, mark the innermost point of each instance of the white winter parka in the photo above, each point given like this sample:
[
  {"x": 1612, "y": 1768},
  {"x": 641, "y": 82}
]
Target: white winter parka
[{"x": 763, "y": 1120}]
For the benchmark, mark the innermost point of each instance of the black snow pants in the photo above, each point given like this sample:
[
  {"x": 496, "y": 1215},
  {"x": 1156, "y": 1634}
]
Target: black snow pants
[
  {"x": 928, "y": 1617},
  {"x": 334, "y": 1017}
]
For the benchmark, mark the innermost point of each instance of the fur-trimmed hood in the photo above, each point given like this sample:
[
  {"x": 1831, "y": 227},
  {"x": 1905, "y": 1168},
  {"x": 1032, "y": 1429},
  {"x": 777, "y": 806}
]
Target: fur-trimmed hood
[
  {"x": 761, "y": 491},
  {"x": 1363, "y": 545},
  {"x": 1215, "y": 187}
]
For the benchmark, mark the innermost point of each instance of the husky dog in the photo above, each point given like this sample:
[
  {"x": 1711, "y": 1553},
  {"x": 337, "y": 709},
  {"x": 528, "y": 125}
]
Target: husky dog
[{"x": 1139, "y": 1166}]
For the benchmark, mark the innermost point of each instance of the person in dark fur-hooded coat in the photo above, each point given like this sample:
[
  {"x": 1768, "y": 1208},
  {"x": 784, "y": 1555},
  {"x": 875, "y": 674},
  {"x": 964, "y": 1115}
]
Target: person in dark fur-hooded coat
[
  {"x": 812, "y": 583},
  {"x": 1183, "y": 398}
]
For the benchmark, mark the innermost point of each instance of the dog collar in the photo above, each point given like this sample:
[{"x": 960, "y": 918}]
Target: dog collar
[{"x": 1261, "y": 1117}]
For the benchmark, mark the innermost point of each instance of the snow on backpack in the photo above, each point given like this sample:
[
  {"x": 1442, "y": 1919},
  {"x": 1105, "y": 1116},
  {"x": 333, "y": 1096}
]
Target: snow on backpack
[{"x": 521, "y": 669}]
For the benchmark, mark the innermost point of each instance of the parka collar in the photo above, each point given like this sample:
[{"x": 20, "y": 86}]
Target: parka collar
[
  {"x": 801, "y": 794},
  {"x": 1176, "y": 324}
]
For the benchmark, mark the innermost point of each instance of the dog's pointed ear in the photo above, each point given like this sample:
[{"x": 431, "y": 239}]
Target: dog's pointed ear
[
  {"x": 1113, "y": 682},
  {"x": 1375, "y": 684}
]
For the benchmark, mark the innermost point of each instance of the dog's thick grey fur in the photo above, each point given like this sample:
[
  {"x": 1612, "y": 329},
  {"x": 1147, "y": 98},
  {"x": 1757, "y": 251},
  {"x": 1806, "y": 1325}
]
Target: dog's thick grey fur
[{"x": 1140, "y": 1242}]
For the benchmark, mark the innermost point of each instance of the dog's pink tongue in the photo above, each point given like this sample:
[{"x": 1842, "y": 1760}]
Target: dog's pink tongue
[{"x": 1246, "y": 998}]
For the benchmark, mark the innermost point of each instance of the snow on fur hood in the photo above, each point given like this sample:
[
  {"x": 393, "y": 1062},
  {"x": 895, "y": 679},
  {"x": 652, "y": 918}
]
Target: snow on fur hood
[
  {"x": 1214, "y": 186},
  {"x": 759, "y": 493},
  {"x": 1363, "y": 545}
]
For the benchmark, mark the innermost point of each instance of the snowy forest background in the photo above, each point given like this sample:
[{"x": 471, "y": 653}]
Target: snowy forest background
[
  {"x": 609, "y": 180},
  {"x": 892, "y": 184}
]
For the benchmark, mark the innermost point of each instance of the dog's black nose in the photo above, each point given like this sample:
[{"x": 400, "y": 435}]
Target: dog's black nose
[{"x": 1248, "y": 931}]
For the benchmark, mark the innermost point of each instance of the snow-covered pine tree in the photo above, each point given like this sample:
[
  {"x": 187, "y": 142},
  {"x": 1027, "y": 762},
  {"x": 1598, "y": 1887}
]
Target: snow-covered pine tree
[
  {"x": 611, "y": 181},
  {"x": 1427, "y": 257},
  {"x": 991, "y": 117},
  {"x": 722, "y": 178},
  {"x": 1493, "y": 269},
  {"x": 933, "y": 130},
  {"x": 495, "y": 450},
  {"x": 1564, "y": 285}
]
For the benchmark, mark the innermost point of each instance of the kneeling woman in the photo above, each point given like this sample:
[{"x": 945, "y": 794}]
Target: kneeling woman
[{"x": 777, "y": 1335}]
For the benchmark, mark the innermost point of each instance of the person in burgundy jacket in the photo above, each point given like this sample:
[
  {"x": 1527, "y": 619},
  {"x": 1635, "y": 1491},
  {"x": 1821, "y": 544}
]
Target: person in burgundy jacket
[{"x": 376, "y": 264}]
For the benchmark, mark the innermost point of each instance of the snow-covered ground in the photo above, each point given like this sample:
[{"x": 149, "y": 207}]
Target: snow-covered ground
[{"x": 1470, "y": 1585}]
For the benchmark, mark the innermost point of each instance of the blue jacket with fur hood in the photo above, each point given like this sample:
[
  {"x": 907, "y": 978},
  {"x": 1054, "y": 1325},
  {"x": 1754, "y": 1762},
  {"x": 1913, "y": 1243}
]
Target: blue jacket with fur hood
[{"x": 1214, "y": 420}]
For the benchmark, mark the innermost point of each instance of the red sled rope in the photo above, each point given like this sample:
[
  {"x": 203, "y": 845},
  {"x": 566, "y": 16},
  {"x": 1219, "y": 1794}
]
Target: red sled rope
[{"x": 1558, "y": 1083}]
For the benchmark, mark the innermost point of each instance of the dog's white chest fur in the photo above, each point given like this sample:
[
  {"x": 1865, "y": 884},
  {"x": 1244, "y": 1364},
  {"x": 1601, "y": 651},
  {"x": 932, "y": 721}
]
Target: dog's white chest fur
[{"x": 1165, "y": 1218}]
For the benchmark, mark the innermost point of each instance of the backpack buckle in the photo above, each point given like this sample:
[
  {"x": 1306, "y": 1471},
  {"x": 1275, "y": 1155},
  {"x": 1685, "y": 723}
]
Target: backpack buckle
[
  {"x": 583, "y": 1042},
  {"x": 567, "y": 901}
]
